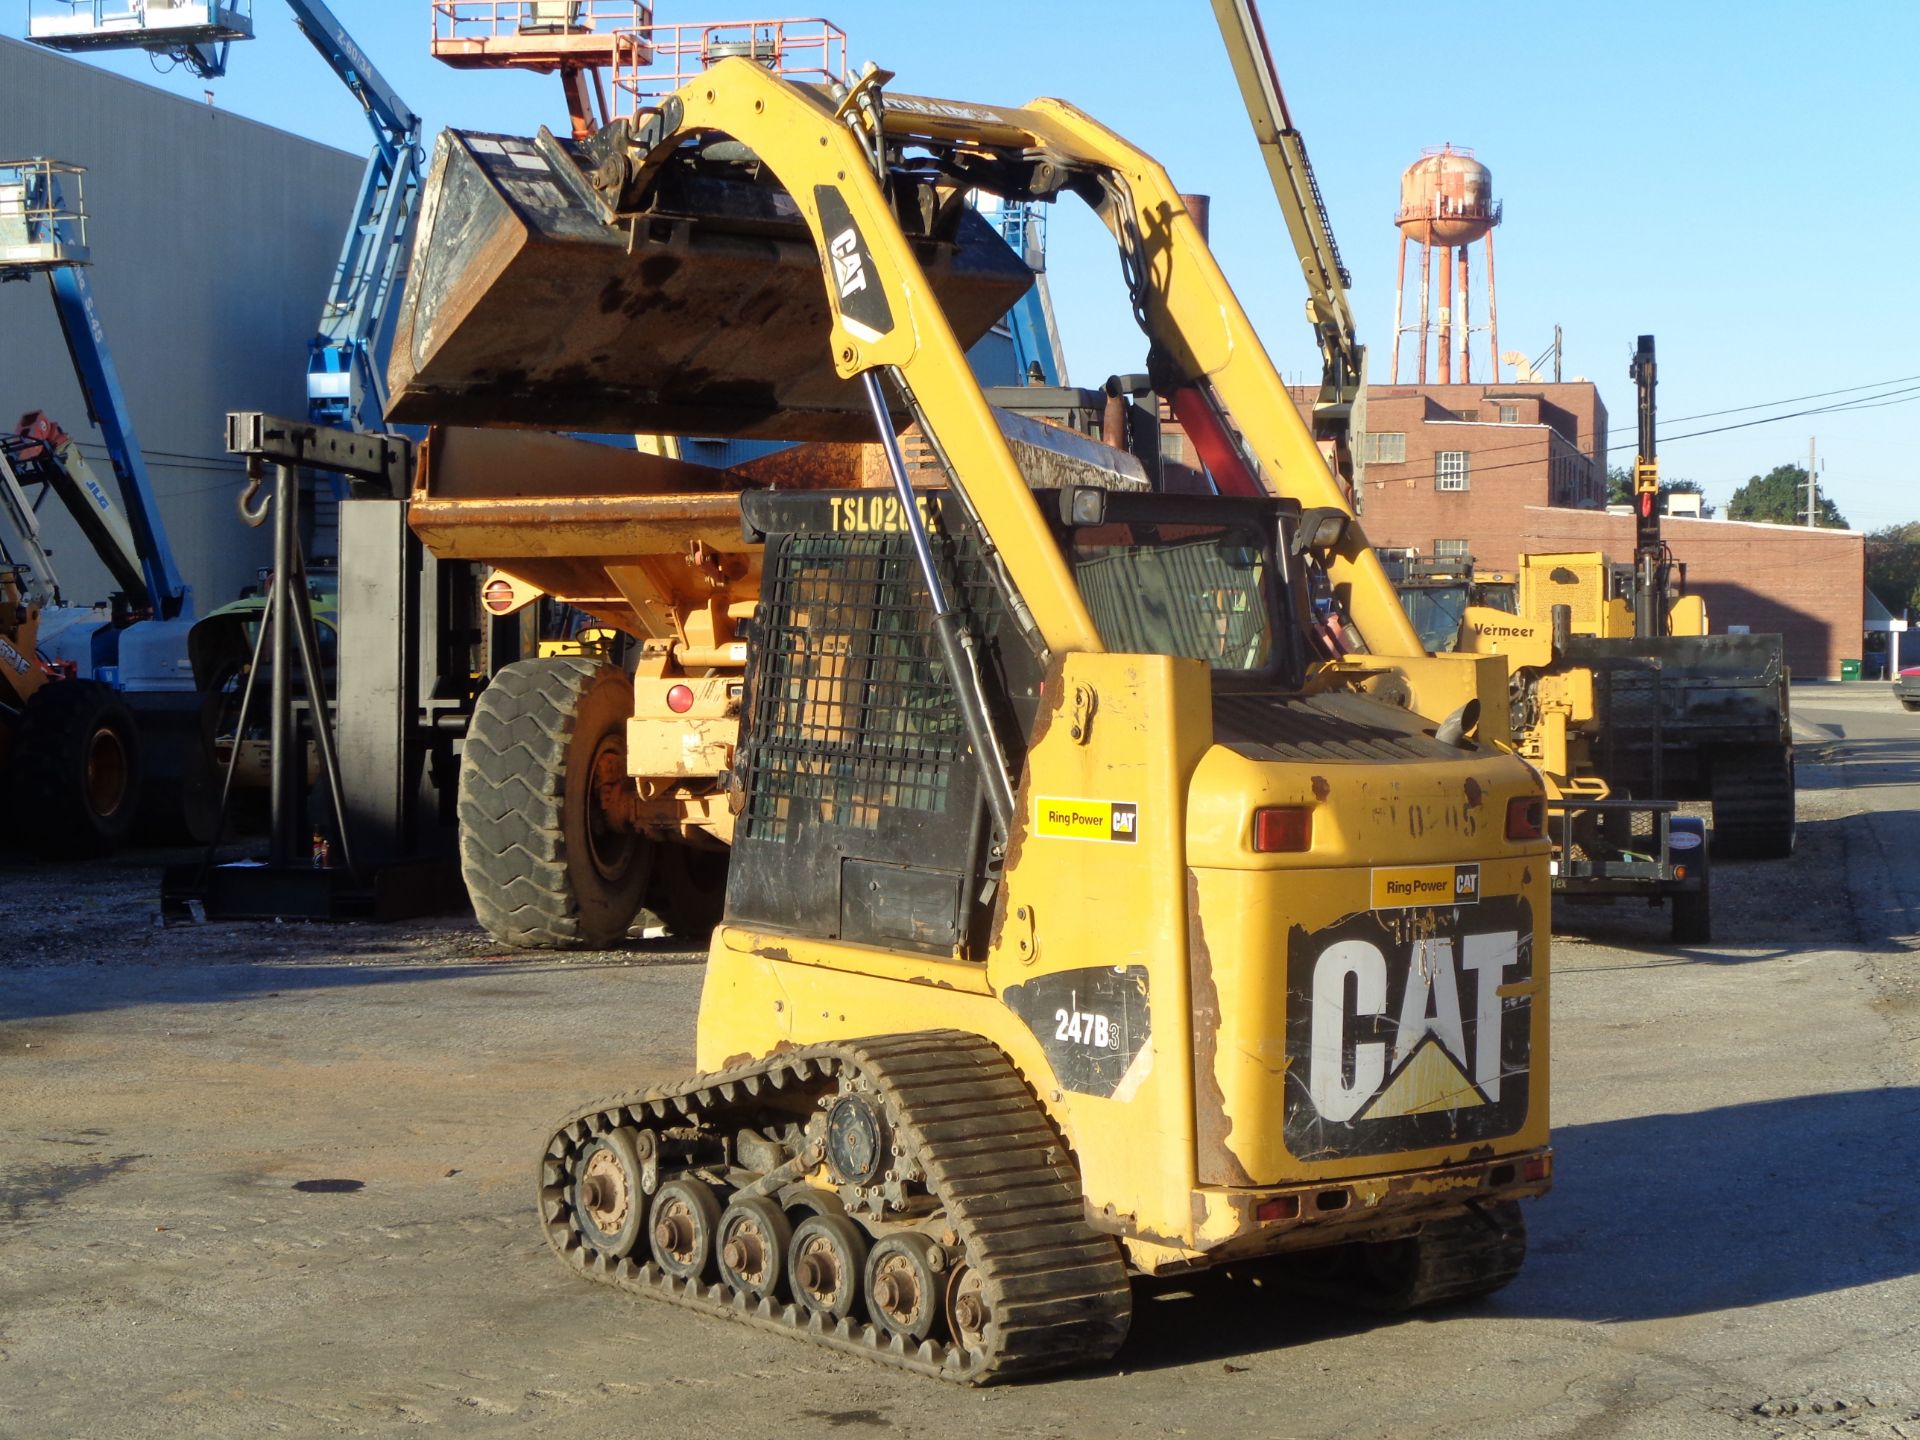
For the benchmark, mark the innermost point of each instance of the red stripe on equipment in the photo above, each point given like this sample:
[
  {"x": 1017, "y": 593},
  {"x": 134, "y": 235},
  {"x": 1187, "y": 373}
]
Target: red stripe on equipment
[{"x": 1211, "y": 439}]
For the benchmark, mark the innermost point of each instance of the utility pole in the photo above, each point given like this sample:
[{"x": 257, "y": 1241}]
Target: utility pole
[
  {"x": 1813, "y": 489},
  {"x": 1649, "y": 551}
]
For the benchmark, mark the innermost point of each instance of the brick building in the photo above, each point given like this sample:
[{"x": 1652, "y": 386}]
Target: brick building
[
  {"x": 1494, "y": 471},
  {"x": 1451, "y": 468},
  {"x": 1808, "y": 586}
]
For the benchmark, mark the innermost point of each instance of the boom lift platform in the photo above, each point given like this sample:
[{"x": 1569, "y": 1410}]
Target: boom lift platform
[
  {"x": 1092, "y": 909},
  {"x": 195, "y": 33},
  {"x": 584, "y": 42}
]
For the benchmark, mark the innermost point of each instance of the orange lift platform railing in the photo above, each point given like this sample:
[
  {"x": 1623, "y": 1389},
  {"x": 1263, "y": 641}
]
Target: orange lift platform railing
[
  {"x": 807, "y": 51},
  {"x": 581, "y": 40}
]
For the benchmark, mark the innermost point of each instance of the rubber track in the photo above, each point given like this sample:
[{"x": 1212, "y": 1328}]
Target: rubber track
[
  {"x": 1056, "y": 1289},
  {"x": 1464, "y": 1257},
  {"x": 1753, "y": 804},
  {"x": 513, "y": 853}
]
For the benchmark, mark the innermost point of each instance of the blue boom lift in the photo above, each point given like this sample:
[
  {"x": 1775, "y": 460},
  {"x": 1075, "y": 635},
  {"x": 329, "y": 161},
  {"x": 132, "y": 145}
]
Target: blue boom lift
[
  {"x": 137, "y": 644},
  {"x": 345, "y": 383}
]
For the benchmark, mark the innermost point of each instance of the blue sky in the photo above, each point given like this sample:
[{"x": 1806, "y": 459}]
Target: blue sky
[{"x": 1736, "y": 179}]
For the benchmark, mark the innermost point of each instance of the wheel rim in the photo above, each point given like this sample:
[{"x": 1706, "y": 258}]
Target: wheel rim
[
  {"x": 753, "y": 1241},
  {"x": 826, "y": 1266},
  {"x": 682, "y": 1229},
  {"x": 967, "y": 1316},
  {"x": 607, "y": 1197},
  {"x": 902, "y": 1291},
  {"x": 611, "y": 846},
  {"x": 107, "y": 772}
]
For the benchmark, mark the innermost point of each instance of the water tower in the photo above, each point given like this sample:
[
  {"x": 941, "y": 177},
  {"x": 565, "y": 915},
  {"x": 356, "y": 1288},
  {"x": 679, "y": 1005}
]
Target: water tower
[{"x": 1446, "y": 203}]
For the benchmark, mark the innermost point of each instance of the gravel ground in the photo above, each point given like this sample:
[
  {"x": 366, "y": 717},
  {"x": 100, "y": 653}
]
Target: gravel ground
[{"x": 276, "y": 1179}]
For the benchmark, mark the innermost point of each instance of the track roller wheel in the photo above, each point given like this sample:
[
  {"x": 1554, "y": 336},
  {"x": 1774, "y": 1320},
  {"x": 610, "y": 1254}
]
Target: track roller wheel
[
  {"x": 607, "y": 1196},
  {"x": 754, "y": 1236},
  {"x": 904, "y": 1291},
  {"x": 967, "y": 1309},
  {"x": 686, "y": 1213},
  {"x": 825, "y": 1263}
]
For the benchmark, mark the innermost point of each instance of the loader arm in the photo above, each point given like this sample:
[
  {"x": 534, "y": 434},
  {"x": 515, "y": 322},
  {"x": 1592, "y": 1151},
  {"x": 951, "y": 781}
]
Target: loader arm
[
  {"x": 1191, "y": 315},
  {"x": 871, "y": 270}
]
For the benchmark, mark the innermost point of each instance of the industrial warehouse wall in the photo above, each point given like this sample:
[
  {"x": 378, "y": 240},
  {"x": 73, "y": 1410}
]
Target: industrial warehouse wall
[
  {"x": 214, "y": 240},
  {"x": 1808, "y": 586}
]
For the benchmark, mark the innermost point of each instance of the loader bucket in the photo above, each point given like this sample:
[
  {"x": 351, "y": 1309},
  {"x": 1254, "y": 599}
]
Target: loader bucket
[{"x": 707, "y": 315}]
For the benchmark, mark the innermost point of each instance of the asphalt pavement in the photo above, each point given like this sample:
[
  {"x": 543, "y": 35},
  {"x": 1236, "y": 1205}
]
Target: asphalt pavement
[{"x": 277, "y": 1179}]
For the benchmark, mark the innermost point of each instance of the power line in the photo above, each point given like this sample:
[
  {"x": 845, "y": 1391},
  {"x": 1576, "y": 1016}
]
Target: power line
[
  {"x": 1865, "y": 402},
  {"x": 1794, "y": 399}
]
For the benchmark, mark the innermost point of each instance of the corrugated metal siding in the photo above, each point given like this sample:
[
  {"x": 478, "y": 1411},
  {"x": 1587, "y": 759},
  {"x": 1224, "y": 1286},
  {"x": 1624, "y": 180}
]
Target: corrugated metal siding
[{"x": 214, "y": 240}]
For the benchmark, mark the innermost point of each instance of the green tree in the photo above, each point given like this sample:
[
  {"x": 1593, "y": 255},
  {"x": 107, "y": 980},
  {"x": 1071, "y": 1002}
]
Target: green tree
[
  {"x": 1620, "y": 489},
  {"x": 1893, "y": 566},
  {"x": 1780, "y": 496}
]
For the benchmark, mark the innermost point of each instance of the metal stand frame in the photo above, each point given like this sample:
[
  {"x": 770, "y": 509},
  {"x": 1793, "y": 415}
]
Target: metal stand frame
[{"x": 290, "y": 883}]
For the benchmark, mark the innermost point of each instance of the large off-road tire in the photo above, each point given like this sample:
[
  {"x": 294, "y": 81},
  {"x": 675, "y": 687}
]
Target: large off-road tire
[
  {"x": 1753, "y": 802},
  {"x": 545, "y": 867},
  {"x": 76, "y": 771}
]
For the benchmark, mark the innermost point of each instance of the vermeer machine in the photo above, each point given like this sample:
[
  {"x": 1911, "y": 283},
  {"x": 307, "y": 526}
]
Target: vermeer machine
[{"x": 1115, "y": 887}]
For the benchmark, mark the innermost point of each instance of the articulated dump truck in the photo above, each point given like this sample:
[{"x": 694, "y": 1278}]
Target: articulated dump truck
[{"x": 1113, "y": 886}]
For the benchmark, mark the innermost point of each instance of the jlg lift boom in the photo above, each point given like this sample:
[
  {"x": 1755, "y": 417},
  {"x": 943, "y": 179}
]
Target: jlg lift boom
[{"x": 1339, "y": 412}]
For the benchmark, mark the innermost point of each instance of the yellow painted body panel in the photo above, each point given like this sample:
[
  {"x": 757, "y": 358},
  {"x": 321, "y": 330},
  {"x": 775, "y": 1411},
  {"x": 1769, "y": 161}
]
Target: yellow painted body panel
[{"x": 1076, "y": 905}]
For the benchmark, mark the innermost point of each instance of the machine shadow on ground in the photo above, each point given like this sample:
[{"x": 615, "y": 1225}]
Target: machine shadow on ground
[
  {"x": 1653, "y": 1217},
  {"x": 1762, "y": 910},
  {"x": 1869, "y": 763},
  {"x": 50, "y": 992}
]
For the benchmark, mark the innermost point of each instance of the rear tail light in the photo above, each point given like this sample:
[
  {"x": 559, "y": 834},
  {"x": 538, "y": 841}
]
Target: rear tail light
[
  {"x": 680, "y": 699},
  {"x": 1282, "y": 829},
  {"x": 1538, "y": 1167},
  {"x": 499, "y": 596},
  {"x": 1281, "y": 1207},
  {"x": 1526, "y": 817}
]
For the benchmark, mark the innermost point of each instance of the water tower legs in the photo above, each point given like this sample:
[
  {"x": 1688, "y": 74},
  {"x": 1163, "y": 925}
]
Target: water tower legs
[
  {"x": 1493, "y": 315},
  {"x": 1466, "y": 321},
  {"x": 1446, "y": 316},
  {"x": 1426, "y": 301},
  {"x": 1399, "y": 307}
]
